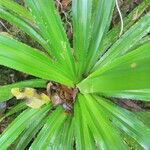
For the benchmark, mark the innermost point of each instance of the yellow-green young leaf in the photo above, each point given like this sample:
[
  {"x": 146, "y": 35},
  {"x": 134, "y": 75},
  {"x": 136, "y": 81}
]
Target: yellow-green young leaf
[{"x": 33, "y": 99}]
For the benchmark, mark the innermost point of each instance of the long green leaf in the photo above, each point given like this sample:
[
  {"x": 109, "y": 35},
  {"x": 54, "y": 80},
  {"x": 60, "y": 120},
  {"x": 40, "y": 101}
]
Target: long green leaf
[
  {"x": 128, "y": 76},
  {"x": 17, "y": 126},
  {"x": 111, "y": 140},
  {"x": 63, "y": 136},
  {"x": 83, "y": 135},
  {"x": 144, "y": 116},
  {"x": 127, "y": 122},
  {"x": 127, "y": 41},
  {"x": 21, "y": 57},
  {"x": 100, "y": 125},
  {"x": 24, "y": 26},
  {"x": 92, "y": 124},
  {"x": 47, "y": 135},
  {"x": 113, "y": 35},
  {"x": 10, "y": 5},
  {"x": 100, "y": 27},
  {"x": 50, "y": 25},
  {"x": 67, "y": 136},
  {"x": 79, "y": 135},
  {"x": 5, "y": 91},
  {"x": 81, "y": 31},
  {"x": 35, "y": 125}
]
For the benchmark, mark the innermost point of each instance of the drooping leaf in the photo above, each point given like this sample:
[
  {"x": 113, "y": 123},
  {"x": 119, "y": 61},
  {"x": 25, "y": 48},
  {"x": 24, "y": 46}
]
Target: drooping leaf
[
  {"x": 127, "y": 122},
  {"x": 24, "y": 26},
  {"x": 21, "y": 57},
  {"x": 99, "y": 126},
  {"x": 5, "y": 91},
  {"x": 10, "y": 5},
  {"x": 31, "y": 96},
  {"x": 127, "y": 76},
  {"x": 45, "y": 138},
  {"x": 28, "y": 134},
  {"x": 18, "y": 125}
]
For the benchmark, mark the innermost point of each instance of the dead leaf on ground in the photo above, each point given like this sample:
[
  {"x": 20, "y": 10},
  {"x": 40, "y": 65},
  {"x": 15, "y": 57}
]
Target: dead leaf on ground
[{"x": 65, "y": 3}]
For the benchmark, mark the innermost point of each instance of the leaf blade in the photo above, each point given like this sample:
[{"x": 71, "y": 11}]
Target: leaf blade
[
  {"x": 17, "y": 126},
  {"x": 52, "y": 30},
  {"x": 128, "y": 122},
  {"x": 48, "y": 131},
  {"x": 24, "y": 58},
  {"x": 100, "y": 27},
  {"x": 81, "y": 31},
  {"x": 113, "y": 34},
  {"x": 126, "y": 42},
  {"x": 16, "y": 8},
  {"x": 126, "y": 75}
]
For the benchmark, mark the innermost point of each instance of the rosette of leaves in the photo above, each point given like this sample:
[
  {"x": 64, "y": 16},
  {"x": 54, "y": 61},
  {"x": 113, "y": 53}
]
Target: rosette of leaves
[{"x": 100, "y": 64}]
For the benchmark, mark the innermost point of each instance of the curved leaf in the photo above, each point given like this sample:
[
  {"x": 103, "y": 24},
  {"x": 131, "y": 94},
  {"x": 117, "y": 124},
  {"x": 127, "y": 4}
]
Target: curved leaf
[
  {"x": 113, "y": 35},
  {"x": 24, "y": 26},
  {"x": 127, "y": 41},
  {"x": 28, "y": 134},
  {"x": 127, "y": 122},
  {"x": 18, "y": 125},
  {"x": 21, "y": 57},
  {"x": 16, "y": 8},
  {"x": 127, "y": 76},
  {"x": 50, "y": 25},
  {"x": 47, "y": 135}
]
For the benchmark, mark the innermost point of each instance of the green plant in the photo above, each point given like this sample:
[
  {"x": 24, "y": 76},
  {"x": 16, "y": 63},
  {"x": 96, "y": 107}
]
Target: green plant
[{"x": 100, "y": 65}]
